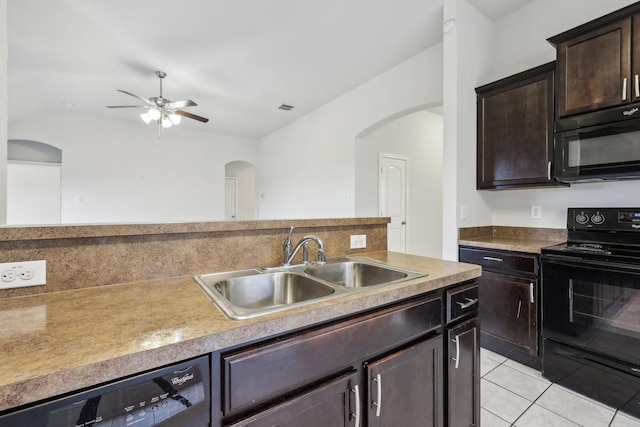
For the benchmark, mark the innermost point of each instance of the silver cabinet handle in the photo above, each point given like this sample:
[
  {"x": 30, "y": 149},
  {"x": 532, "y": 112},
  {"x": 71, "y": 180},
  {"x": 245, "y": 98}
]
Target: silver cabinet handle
[
  {"x": 378, "y": 404},
  {"x": 637, "y": 85},
  {"x": 549, "y": 171},
  {"x": 457, "y": 358},
  {"x": 490, "y": 258},
  {"x": 531, "y": 293},
  {"x": 356, "y": 416},
  {"x": 519, "y": 308},
  {"x": 624, "y": 89},
  {"x": 467, "y": 304}
]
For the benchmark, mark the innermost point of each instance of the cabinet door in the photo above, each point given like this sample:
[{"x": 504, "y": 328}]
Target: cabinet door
[
  {"x": 515, "y": 130},
  {"x": 405, "y": 388},
  {"x": 508, "y": 310},
  {"x": 635, "y": 57},
  {"x": 336, "y": 403},
  {"x": 463, "y": 380},
  {"x": 594, "y": 69}
]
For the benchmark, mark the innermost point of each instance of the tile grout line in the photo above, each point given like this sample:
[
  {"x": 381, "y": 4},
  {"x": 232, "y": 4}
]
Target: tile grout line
[
  {"x": 503, "y": 362},
  {"x": 532, "y": 402}
]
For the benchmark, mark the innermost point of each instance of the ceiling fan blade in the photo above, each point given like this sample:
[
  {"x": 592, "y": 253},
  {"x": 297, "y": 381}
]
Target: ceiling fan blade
[
  {"x": 127, "y": 106},
  {"x": 134, "y": 95},
  {"x": 182, "y": 104},
  {"x": 192, "y": 116}
]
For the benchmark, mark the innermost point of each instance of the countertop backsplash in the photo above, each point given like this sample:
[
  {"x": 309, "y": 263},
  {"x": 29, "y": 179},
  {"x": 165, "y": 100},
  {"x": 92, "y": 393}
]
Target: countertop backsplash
[{"x": 84, "y": 256}]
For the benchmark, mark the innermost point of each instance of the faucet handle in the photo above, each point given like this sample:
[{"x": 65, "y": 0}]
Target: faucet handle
[
  {"x": 322, "y": 256},
  {"x": 305, "y": 253},
  {"x": 287, "y": 245}
]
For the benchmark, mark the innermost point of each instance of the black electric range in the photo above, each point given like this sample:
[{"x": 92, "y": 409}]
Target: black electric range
[{"x": 591, "y": 306}]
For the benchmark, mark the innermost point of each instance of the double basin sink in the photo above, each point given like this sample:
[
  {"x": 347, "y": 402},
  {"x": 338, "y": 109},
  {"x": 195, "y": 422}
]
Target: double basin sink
[{"x": 243, "y": 294}]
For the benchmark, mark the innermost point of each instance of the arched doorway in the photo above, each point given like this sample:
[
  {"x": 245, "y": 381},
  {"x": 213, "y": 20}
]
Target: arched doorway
[
  {"x": 240, "y": 191},
  {"x": 416, "y": 135}
]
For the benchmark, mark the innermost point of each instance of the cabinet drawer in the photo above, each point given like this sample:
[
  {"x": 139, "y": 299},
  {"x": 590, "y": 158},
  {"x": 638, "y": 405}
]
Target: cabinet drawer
[
  {"x": 501, "y": 260},
  {"x": 263, "y": 372},
  {"x": 462, "y": 301}
]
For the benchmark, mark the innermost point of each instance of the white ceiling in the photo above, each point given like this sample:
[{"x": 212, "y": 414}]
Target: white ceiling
[{"x": 238, "y": 59}]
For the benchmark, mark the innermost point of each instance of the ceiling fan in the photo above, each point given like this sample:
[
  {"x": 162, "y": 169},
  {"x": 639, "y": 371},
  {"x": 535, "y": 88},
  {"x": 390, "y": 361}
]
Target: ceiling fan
[{"x": 166, "y": 112}]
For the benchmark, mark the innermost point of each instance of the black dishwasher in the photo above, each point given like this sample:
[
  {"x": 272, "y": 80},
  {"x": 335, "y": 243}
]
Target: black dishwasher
[{"x": 176, "y": 396}]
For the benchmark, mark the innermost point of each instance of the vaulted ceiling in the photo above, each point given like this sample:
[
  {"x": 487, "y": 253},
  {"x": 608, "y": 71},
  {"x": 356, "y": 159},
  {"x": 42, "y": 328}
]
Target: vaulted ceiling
[{"x": 238, "y": 59}]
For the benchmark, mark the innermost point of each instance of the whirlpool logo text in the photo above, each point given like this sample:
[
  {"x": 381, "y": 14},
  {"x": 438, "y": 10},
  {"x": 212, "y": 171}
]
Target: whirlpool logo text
[{"x": 181, "y": 380}]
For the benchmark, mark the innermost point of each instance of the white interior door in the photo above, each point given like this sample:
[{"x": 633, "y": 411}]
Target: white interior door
[
  {"x": 230, "y": 198},
  {"x": 393, "y": 199}
]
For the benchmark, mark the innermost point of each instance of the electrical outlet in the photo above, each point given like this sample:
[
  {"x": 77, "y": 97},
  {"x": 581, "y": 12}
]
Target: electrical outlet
[
  {"x": 536, "y": 212},
  {"x": 359, "y": 241},
  {"x": 20, "y": 274},
  {"x": 9, "y": 276}
]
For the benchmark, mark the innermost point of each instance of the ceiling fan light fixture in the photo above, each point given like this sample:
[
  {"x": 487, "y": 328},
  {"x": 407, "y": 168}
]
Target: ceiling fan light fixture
[
  {"x": 154, "y": 114},
  {"x": 165, "y": 112},
  {"x": 175, "y": 118},
  {"x": 145, "y": 117}
]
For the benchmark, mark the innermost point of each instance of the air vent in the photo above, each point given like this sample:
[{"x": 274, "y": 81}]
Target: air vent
[{"x": 286, "y": 107}]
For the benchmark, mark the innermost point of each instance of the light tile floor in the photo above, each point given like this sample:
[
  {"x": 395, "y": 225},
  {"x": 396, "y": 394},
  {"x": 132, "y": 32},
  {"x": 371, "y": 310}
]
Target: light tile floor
[{"x": 512, "y": 394}]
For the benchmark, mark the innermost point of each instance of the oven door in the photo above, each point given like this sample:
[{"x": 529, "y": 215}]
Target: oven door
[
  {"x": 610, "y": 151},
  {"x": 593, "y": 305}
]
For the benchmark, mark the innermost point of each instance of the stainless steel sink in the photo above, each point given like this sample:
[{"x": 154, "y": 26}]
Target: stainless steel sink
[
  {"x": 355, "y": 273},
  {"x": 244, "y": 294},
  {"x": 249, "y": 293}
]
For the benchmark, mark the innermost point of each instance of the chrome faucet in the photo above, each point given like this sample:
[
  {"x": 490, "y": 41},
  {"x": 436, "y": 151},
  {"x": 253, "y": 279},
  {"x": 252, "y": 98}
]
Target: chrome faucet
[{"x": 304, "y": 243}]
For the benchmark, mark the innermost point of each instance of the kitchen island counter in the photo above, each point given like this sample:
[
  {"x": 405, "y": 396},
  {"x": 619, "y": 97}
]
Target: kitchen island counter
[{"x": 55, "y": 343}]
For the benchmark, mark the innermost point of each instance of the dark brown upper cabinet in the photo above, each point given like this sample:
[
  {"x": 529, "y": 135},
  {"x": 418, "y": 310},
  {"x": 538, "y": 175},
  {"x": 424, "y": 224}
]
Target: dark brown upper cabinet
[
  {"x": 515, "y": 130},
  {"x": 598, "y": 63}
]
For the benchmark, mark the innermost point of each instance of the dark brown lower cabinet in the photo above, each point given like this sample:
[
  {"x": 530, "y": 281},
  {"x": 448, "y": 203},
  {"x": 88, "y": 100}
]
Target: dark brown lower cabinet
[
  {"x": 334, "y": 403},
  {"x": 509, "y": 302},
  {"x": 385, "y": 367},
  {"x": 463, "y": 377},
  {"x": 512, "y": 316},
  {"x": 405, "y": 388}
]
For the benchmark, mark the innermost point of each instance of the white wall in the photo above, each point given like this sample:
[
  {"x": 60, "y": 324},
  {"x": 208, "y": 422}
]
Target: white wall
[
  {"x": 3, "y": 112},
  {"x": 33, "y": 193},
  {"x": 308, "y": 167},
  {"x": 465, "y": 60},
  {"x": 417, "y": 136},
  {"x": 532, "y": 25},
  {"x": 119, "y": 171}
]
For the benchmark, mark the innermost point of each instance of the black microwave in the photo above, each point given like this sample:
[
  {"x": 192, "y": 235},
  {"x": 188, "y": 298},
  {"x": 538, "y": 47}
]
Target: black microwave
[{"x": 598, "y": 146}]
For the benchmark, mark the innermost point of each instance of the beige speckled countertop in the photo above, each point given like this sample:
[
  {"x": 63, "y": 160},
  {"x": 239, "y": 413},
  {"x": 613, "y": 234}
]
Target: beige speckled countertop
[
  {"x": 517, "y": 239},
  {"x": 510, "y": 244},
  {"x": 58, "y": 342}
]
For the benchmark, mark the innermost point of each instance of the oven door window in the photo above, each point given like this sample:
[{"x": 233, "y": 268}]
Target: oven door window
[{"x": 594, "y": 308}]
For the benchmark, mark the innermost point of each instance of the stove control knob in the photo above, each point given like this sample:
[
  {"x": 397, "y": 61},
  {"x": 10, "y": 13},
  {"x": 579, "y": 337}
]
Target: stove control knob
[
  {"x": 598, "y": 218},
  {"x": 581, "y": 218}
]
